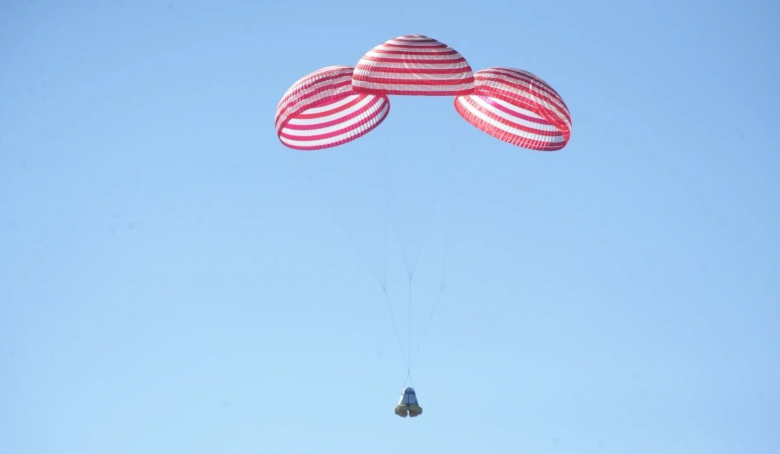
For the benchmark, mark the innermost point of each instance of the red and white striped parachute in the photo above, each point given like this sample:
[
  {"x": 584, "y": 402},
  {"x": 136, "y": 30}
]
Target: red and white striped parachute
[
  {"x": 338, "y": 104},
  {"x": 322, "y": 110},
  {"x": 517, "y": 107},
  {"x": 413, "y": 65}
]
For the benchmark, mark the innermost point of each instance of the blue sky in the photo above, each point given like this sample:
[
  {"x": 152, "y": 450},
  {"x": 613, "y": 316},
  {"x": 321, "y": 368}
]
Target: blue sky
[{"x": 173, "y": 279}]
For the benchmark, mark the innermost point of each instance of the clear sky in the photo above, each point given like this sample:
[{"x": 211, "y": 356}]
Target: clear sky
[{"x": 174, "y": 280}]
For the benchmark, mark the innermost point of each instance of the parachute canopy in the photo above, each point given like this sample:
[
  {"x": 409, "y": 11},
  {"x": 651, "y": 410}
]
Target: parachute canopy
[
  {"x": 413, "y": 65},
  {"x": 321, "y": 110},
  {"x": 517, "y": 107},
  {"x": 338, "y": 104}
]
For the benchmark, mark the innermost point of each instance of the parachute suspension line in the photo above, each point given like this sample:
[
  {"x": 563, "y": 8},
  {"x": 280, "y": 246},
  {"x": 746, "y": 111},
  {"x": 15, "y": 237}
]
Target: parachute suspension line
[
  {"x": 427, "y": 324},
  {"x": 410, "y": 267},
  {"x": 445, "y": 253},
  {"x": 408, "y": 380},
  {"x": 395, "y": 326},
  {"x": 384, "y": 157},
  {"x": 425, "y": 233},
  {"x": 409, "y": 366},
  {"x": 395, "y": 229},
  {"x": 442, "y": 286},
  {"x": 381, "y": 280},
  {"x": 384, "y": 255}
]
